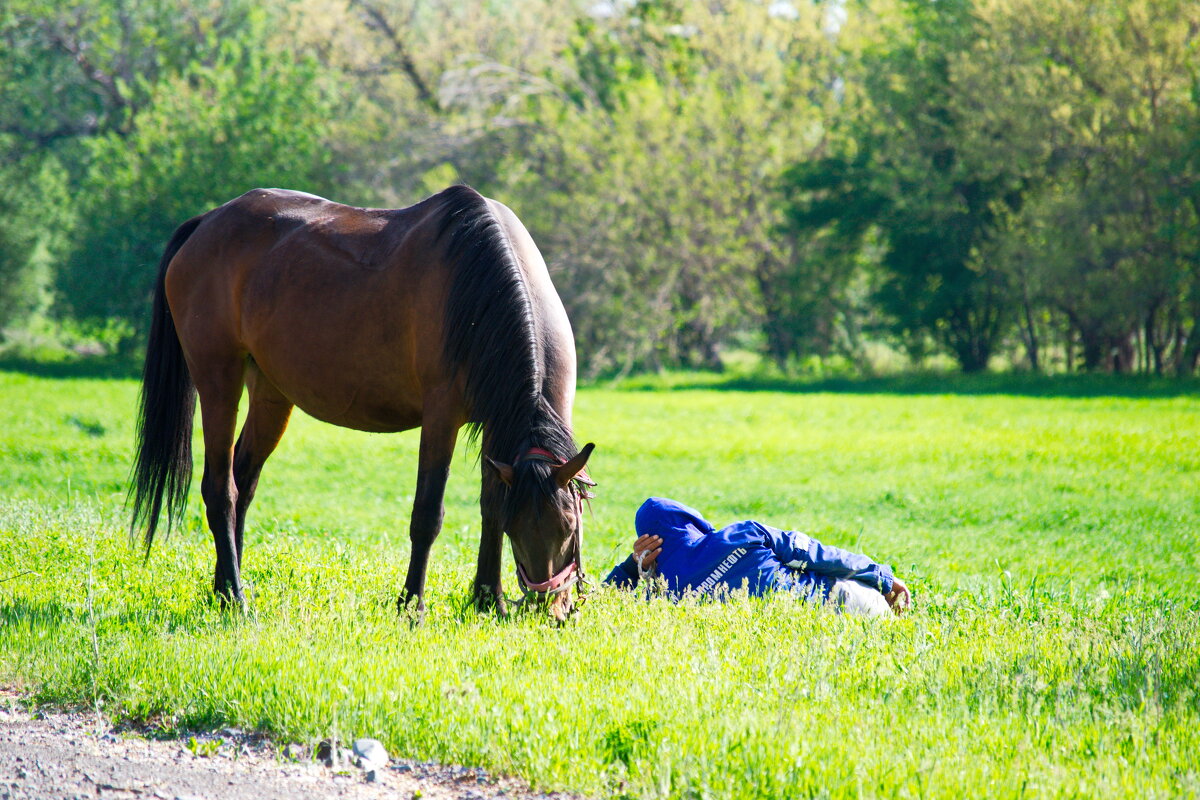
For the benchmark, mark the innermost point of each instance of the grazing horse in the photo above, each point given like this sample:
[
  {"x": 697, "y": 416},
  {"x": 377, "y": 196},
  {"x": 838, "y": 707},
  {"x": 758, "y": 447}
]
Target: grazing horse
[{"x": 435, "y": 316}]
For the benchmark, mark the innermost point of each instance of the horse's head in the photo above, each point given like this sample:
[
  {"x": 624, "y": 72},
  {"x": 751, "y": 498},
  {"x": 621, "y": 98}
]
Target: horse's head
[{"x": 543, "y": 517}]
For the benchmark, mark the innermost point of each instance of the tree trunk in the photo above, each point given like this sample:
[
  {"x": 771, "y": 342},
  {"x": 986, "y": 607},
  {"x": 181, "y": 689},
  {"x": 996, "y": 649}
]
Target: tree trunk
[
  {"x": 1095, "y": 349},
  {"x": 1155, "y": 346},
  {"x": 973, "y": 354},
  {"x": 1122, "y": 351},
  {"x": 695, "y": 347},
  {"x": 1029, "y": 335},
  {"x": 781, "y": 338},
  {"x": 1177, "y": 339},
  {"x": 1069, "y": 346},
  {"x": 1190, "y": 354}
]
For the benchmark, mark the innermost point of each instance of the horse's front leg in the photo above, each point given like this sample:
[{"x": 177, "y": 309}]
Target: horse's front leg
[
  {"x": 488, "y": 592},
  {"x": 438, "y": 436}
]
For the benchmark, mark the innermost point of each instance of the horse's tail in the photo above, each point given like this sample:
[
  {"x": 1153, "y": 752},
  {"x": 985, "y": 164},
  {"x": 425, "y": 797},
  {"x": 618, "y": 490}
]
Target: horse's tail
[{"x": 168, "y": 403}]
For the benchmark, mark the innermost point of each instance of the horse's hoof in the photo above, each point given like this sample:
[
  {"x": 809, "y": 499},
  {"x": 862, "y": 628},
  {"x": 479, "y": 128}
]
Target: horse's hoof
[
  {"x": 411, "y": 607},
  {"x": 491, "y": 598},
  {"x": 231, "y": 601},
  {"x": 415, "y": 616},
  {"x": 500, "y": 608}
]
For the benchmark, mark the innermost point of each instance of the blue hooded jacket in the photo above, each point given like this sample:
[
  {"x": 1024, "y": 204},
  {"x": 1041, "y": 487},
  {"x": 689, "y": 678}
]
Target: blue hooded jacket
[{"x": 697, "y": 558}]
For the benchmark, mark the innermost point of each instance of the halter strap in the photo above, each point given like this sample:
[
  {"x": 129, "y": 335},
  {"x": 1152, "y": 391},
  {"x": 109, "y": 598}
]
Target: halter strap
[
  {"x": 542, "y": 454},
  {"x": 561, "y": 582},
  {"x": 571, "y": 573}
]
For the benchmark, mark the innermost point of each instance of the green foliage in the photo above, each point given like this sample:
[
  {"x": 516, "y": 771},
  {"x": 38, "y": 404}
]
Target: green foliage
[
  {"x": 243, "y": 116},
  {"x": 817, "y": 181},
  {"x": 1012, "y": 158},
  {"x": 1049, "y": 540},
  {"x": 203, "y": 748},
  {"x": 650, "y": 181},
  {"x": 898, "y": 168},
  {"x": 1095, "y": 101},
  {"x": 33, "y": 224},
  {"x": 100, "y": 60}
]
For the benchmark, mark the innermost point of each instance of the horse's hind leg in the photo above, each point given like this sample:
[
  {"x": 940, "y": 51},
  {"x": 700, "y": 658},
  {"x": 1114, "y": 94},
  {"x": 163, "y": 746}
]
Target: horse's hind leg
[
  {"x": 219, "y": 385},
  {"x": 266, "y": 421}
]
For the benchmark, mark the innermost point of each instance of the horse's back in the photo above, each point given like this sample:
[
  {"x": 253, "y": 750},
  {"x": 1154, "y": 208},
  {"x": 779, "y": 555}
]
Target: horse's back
[
  {"x": 319, "y": 235},
  {"x": 338, "y": 306},
  {"x": 344, "y": 309}
]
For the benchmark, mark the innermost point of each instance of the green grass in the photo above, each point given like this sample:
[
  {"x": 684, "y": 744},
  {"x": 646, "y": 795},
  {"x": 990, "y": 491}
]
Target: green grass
[{"x": 1051, "y": 535}]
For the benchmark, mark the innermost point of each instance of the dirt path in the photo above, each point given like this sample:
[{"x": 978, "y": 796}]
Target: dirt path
[{"x": 65, "y": 756}]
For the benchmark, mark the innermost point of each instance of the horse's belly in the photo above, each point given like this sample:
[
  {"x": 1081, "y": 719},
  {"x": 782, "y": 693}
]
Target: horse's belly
[
  {"x": 365, "y": 404},
  {"x": 378, "y": 420},
  {"x": 357, "y": 357}
]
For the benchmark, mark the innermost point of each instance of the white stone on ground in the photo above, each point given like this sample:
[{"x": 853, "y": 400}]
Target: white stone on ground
[{"x": 370, "y": 754}]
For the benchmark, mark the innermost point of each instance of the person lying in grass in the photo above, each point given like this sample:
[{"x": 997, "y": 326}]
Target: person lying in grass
[{"x": 677, "y": 544}]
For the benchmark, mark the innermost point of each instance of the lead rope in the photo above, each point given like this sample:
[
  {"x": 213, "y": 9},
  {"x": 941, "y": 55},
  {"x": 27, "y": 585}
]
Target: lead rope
[{"x": 585, "y": 585}]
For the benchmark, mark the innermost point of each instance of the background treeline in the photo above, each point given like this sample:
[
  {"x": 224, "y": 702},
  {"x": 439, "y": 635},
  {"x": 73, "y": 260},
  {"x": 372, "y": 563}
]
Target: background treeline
[{"x": 1004, "y": 182}]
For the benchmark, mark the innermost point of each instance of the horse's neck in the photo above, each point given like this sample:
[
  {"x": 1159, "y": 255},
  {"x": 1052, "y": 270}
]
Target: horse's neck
[
  {"x": 558, "y": 382},
  {"x": 544, "y": 427}
]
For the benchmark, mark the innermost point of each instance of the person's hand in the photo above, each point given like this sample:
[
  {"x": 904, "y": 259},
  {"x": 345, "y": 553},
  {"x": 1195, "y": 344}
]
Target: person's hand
[
  {"x": 898, "y": 598},
  {"x": 645, "y": 552}
]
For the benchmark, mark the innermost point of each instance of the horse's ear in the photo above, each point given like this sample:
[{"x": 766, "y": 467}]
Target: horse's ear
[
  {"x": 503, "y": 471},
  {"x": 574, "y": 468}
]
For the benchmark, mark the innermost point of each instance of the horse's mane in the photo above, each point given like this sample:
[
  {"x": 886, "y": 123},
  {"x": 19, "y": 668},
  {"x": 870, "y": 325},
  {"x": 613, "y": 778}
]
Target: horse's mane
[{"x": 491, "y": 335}]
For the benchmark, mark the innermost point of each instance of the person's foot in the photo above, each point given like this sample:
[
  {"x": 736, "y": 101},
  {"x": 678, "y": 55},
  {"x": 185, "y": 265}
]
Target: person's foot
[{"x": 898, "y": 598}]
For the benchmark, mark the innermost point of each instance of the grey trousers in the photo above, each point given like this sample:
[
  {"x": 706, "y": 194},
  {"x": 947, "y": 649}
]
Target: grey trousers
[{"x": 858, "y": 598}]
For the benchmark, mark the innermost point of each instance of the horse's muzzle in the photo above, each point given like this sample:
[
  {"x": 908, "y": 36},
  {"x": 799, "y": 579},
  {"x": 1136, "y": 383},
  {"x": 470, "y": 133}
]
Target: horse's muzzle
[{"x": 555, "y": 592}]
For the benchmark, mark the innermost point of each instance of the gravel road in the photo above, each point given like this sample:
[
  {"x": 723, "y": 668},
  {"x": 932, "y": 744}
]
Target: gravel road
[{"x": 65, "y": 756}]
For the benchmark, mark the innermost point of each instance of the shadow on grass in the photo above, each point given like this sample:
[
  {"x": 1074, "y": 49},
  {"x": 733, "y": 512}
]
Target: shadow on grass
[
  {"x": 1020, "y": 384},
  {"x": 917, "y": 383},
  {"x": 107, "y": 367}
]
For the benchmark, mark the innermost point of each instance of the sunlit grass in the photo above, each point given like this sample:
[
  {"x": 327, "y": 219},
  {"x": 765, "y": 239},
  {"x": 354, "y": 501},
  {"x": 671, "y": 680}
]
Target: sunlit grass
[{"x": 1052, "y": 543}]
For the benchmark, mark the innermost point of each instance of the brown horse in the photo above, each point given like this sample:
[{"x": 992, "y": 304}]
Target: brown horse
[{"x": 434, "y": 316}]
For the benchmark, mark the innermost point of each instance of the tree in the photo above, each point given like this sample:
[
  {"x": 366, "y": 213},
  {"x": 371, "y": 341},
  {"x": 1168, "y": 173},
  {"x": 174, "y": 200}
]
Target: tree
[
  {"x": 895, "y": 164},
  {"x": 33, "y": 219},
  {"x": 182, "y": 125},
  {"x": 1100, "y": 101},
  {"x": 650, "y": 175}
]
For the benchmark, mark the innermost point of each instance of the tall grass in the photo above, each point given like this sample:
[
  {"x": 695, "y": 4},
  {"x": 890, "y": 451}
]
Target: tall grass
[{"x": 1051, "y": 543}]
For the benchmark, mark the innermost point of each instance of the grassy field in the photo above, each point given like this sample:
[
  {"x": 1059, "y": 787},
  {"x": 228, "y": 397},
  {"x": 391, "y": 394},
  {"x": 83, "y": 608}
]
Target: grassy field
[{"x": 1050, "y": 531}]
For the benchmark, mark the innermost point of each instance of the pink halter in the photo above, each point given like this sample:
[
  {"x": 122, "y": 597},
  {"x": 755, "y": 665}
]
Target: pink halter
[
  {"x": 569, "y": 575},
  {"x": 561, "y": 582},
  {"x": 542, "y": 454}
]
